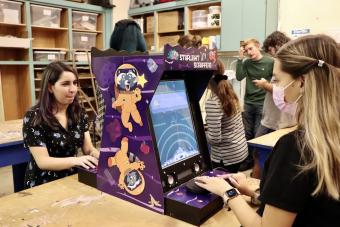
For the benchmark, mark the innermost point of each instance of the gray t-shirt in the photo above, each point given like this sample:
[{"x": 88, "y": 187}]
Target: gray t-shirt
[{"x": 272, "y": 117}]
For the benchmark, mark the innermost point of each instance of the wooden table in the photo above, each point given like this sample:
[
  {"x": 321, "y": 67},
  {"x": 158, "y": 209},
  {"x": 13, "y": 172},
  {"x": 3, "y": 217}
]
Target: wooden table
[
  {"x": 12, "y": 151},
  {"x": 265, "y": 143},
  {"x": 67, "y": 202}
]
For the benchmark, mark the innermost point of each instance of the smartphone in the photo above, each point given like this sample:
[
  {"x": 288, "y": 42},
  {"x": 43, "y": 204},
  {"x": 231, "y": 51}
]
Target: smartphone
[{"x": 241, "y": 43}]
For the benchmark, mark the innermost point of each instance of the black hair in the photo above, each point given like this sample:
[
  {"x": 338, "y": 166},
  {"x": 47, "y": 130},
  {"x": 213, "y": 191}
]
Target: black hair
[
  {"x": 47, "y": 102},
  {"x": 127, "y": 36}
]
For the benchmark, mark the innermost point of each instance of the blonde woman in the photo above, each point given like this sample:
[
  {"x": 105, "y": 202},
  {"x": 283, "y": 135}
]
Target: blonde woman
[{"x": 300, "y": 185}]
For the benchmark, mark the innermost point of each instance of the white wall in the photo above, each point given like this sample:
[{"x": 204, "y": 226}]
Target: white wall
[
  {"x": 317, "y": 15},
  {"x": 121, "y": 10}
]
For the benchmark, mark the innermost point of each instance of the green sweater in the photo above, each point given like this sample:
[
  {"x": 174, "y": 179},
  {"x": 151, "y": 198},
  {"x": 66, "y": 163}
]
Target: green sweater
[{"x": 254, "y": 70}]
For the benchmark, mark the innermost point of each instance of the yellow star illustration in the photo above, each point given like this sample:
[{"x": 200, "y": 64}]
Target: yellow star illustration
[
  {"x": 154, "y": 202},
  {"x": 142, "y": 80}
]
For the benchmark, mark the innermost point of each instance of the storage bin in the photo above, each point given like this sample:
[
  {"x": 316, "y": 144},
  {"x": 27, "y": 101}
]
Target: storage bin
[
  {"x": 199, "y": 19},
  {"x": 81, "y": 56},
  {"x": 45, "y": 16},
  {"x": 10, "y": 12},
  {"x": 214, "y": 9},
  {"x": 84, "y": 40},
  {"x": 85, "y": 21},
  {"x": 49, "y": 55}
]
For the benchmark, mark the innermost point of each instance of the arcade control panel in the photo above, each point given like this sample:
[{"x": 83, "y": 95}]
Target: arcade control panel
[{"x": 194, "y": 208}]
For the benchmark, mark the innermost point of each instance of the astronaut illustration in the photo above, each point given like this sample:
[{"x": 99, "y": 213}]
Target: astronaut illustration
[{"x": 128, "y": 94}]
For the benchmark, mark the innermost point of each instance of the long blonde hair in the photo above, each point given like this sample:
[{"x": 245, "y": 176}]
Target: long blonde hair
[{"x": 317, "y": 59}]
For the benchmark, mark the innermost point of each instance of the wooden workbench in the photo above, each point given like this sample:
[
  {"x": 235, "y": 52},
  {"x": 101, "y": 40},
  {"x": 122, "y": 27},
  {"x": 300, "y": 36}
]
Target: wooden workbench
[
  {"x": 10, "y": 131},
  {"x": 264, "y": 144},
  {"x": 67, "y": 202},
  {"x": 269, "y": 140},
  {"x": 12, "y": 151}
]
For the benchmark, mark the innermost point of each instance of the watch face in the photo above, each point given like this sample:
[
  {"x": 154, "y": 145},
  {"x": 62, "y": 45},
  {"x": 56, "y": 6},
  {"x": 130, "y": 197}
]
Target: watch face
[{"x": 231, "y": 193}]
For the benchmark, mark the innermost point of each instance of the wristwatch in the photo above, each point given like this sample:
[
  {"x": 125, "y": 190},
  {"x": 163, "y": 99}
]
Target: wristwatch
[{"x": 230, "y": 194}]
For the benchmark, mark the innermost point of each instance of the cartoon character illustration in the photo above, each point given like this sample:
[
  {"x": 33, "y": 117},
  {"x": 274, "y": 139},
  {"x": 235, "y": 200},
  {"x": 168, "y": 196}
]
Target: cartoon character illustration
[
  {"x": 128, "y": 94},
  {"x": 130, "y": 179},
  {"x": 173, "y": 55},
  {"x": 127, "y": 102},
  {"x": 126, "y": 78}
]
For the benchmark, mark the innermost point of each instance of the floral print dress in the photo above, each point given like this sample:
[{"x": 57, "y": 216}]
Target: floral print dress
[{"x": 60, "y": 143}]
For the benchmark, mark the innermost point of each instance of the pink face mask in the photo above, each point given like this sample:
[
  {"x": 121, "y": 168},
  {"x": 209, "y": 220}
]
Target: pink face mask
[{"x": 279, "y": 100}]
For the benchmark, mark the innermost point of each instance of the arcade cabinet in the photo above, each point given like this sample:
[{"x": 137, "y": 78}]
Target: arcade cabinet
[{"x": 153, "y": 139}]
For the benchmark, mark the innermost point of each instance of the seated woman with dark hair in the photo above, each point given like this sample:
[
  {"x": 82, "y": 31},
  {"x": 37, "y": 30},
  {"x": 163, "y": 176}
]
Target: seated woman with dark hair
[{"x": 56, "y": 127}]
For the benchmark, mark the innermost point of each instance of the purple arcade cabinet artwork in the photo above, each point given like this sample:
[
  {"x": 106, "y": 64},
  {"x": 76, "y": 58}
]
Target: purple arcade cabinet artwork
[{"x": 153, "y": 139}]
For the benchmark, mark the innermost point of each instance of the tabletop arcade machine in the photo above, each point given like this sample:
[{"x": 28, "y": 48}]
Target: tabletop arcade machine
[{"x": 153, "y": 139}]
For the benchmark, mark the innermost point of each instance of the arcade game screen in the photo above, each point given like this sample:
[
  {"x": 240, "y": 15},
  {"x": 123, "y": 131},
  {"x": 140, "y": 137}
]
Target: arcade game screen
[{"x": 172, "y": 123}]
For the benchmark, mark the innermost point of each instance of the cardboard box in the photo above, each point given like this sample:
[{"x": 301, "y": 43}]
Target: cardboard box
[
  {"x": 168, "y": 39},
  {"x": 168, "y": 21},
  {"x": 149, "y": 24}
]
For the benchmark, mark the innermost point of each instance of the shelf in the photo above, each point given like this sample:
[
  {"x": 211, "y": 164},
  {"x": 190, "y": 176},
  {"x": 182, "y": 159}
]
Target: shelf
[
  {"x": 50, "y": 48},
  {"x": 19, "y": 69},
  {"x": 205, "y": 29},
  {"x": 82, "y": 99},
  {"x": 46, "y": 63},
  {"x": 50, "y": 39},
  {"x": 38, "y": 69},
  {"x": 82, "y": 50},
  {"x": 14, "y": 62},
  {"x": 82, "y": 63},
  {"x": 167, "y": 6},
  {"x": 34, "y": 27},
  {"x": 87, "y": 31},
  {"x": 69, "y": 4},
  {"x": 85, "y": 77},
  {"x": 8, "y": 55},
  {"x": 148, "y": 34},
  {"x": 66, "y": 62},
  {"x": 3, "y": 47},
  {"x": 16, "y": 91},
  {"x": 204, "y": 5},
  {"x": 11, "y": 25},
  {"x": 168, "y": 32}
]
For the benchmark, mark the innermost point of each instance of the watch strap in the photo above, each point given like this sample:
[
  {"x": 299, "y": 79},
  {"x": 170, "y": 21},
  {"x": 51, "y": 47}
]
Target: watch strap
[{"x": 227, "y": 197}]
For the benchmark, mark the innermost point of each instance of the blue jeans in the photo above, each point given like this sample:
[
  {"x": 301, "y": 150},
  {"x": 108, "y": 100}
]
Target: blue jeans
[
  {"x": 252, "y": 116},
  {"x": 263, "y": 130}
]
